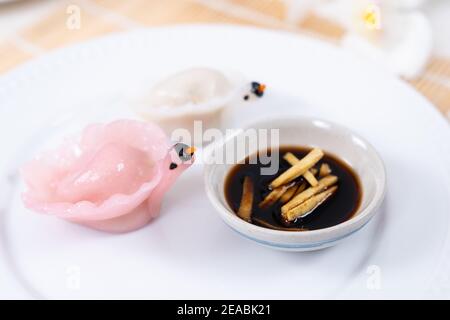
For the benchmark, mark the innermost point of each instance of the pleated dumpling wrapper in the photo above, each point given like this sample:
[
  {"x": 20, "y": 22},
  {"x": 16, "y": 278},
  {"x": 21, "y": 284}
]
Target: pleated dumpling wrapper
[
  {"x": 195, "y": 94},
  {"x": 112, "y": 177}
]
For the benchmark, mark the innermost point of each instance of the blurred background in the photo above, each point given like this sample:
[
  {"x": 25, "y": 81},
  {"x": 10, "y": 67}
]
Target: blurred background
[{"x": 411, "y": 38}]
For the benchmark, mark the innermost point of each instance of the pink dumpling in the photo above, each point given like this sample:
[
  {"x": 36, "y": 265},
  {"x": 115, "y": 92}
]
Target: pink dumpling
[
  {"x": 113, "y": 168},
  {"x": 112, "y": 178}
]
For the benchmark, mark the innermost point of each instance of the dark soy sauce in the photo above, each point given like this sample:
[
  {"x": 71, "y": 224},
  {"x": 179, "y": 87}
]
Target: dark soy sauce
[{"x": 338, "y": 208}]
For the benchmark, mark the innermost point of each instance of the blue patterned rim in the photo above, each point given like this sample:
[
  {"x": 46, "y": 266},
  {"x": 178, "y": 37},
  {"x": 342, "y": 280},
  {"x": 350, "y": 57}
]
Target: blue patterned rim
[{"x": 298, "y": 246}]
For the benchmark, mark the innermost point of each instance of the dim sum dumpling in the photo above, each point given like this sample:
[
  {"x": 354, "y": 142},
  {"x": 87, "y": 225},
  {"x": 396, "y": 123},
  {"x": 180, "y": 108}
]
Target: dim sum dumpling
[
  {"x": 196, "y": 94},
  {"x": 112, "y": 178}
]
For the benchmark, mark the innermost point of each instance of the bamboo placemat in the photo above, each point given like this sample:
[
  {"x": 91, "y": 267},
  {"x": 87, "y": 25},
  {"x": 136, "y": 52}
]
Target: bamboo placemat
[{"x": 100, "y": 17}]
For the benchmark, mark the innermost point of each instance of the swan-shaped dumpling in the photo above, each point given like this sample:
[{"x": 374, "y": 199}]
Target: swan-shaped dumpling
[
  {"x": 112, "y": 178},
  {"x": 195, "y": 94}
]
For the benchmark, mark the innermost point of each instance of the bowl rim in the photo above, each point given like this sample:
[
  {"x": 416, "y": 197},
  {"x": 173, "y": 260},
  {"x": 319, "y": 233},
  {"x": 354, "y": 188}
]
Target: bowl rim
[{"x": 351, "y": 223}]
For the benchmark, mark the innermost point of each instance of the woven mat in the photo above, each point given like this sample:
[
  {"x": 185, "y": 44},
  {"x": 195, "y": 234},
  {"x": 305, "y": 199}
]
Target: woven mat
[{"x": 99, "y": 17}]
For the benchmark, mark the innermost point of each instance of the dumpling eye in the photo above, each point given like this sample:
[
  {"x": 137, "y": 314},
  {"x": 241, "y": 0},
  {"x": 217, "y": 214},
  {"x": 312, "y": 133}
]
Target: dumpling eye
[
  {"x": 184, "y": 152},
  {"x": 258, "y": 89}
]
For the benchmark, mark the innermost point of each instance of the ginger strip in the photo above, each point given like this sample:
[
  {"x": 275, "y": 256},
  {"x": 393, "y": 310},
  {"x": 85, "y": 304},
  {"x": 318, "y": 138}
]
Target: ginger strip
[
  {"x": 310, "y": 178},
  {"x": 291, "y": 158},
  {"x": 273, "y": 196},
  {"x": 308, "y": 175},
  {"x": 292, "y": 192},
  {"x": 309, "y": 205},
  {"x": 308, "y": 193},
  {"x": 300, "y": 189},
  {"x": 324, "y": 170},
  {"x": 299, "y": 168},
  {"x": 246, "y": 205},
  {"x": 289, "y": 193},
  {"x": 274, "y": 227}
]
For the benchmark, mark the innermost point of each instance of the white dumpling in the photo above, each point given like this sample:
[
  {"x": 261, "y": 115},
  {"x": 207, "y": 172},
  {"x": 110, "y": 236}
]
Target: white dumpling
[
  {"x": 190, "y": 87},
  {"x": 195, "y": 95}
]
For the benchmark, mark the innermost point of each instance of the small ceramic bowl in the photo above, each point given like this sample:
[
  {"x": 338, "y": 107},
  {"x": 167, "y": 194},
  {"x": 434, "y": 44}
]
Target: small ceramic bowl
[{"x": 299, "y": 131}]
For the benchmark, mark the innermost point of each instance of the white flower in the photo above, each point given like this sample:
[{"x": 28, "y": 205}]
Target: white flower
[{"x": 392, "y": 33}]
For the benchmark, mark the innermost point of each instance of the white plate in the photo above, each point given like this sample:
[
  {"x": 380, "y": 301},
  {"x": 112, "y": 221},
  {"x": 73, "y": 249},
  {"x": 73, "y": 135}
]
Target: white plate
[{"x": 188, "y": 252}]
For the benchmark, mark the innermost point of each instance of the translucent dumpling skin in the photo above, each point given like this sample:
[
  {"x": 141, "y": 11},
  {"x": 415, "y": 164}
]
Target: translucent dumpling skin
[
  {"x": 190, "y": 87},
  {"x": 113, "y": 178},
  {"x": 111, "y": 169},
  {"x": 196, "y": 94}
]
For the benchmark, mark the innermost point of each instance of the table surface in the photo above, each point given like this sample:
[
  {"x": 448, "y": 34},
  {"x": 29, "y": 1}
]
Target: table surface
[{"x": 30, "y": 28}]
